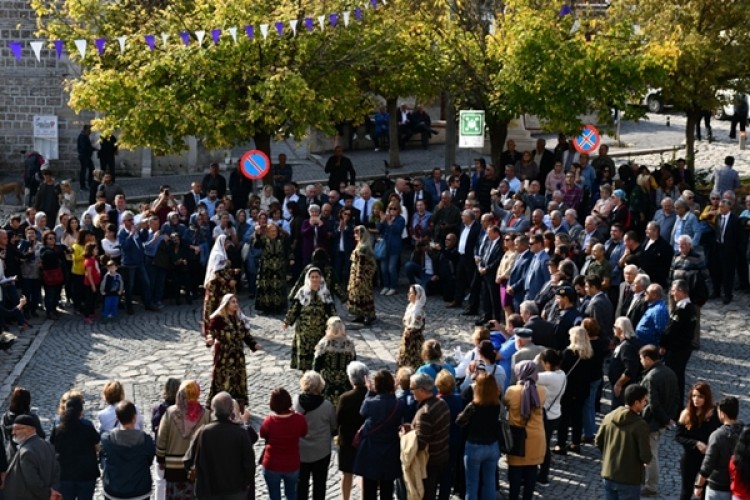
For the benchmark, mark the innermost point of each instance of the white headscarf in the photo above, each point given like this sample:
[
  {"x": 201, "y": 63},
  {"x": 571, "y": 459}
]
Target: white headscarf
[
  {"x": 304, "y": 295},
  {"x": 224, "y": 302},
  {"x": 414, "y": 315},
  {"x": 217, "y": 259}
]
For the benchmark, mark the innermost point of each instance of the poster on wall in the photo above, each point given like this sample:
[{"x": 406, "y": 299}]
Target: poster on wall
[{"x": 45, "y": 136}]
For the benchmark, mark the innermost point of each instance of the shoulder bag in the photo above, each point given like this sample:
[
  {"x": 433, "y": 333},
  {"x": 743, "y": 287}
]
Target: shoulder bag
[
  {"x": 357, "y": 440},
  {"x": 512, "y": 438}
]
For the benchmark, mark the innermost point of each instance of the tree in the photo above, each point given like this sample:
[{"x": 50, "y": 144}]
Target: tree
[
  {"x": 521, "y": 56},
  {"x": 712, "y": 51},
  {"x": 222, "y": 93}
]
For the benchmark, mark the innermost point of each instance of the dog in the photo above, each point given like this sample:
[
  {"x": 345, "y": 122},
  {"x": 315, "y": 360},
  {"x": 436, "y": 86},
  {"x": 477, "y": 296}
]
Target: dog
[{"x": 12, "y": 187}]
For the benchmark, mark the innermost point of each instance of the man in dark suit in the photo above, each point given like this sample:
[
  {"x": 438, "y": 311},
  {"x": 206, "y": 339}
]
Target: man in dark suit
[
  {"x": 464, "y": 180},
  {"x": 657, "y": 255},
  {"x": 512, "y": 222},
  {"x": 544, "y": 331},
  {"x": 115, "y": 215},
  {"x": 724, "y": 260},
  {"x": 419, "y": 194},
  {"x": 467, "y": 241},
  {"x": 447, "y": 265},
  {"x": 339, "y": 169},
  {"x": 625, "y": 294},
  {"x": 599, "y": 307},
  {"x": 192, "y": 197},
  {"x": 517, "y": 279},
  {"x": 487, "y": 269},
  {"x": 435, "y": 185},
  {"x": 214, "y": 180},
  {"x": 546, "y": 161},
  {"x": 510, "y": 156},
  {"x": 639, "y": 302},
  {"x": 458, "y": 194}
]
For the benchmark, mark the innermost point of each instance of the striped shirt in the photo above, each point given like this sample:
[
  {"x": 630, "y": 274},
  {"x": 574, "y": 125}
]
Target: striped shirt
[{"x": 432, "y": 425}]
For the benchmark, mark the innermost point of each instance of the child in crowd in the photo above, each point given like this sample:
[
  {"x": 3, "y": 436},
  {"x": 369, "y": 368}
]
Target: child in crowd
[
  {"x": 92, "y": 276},
  {"x": 112, "y": 287}
]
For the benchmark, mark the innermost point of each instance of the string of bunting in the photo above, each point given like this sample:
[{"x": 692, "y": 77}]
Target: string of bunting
[{"x": 187, "y": 38}]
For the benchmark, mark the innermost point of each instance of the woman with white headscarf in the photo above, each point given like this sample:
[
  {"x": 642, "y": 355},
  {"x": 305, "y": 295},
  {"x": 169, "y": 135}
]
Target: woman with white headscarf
[
  {"x": 220, "y": 277},
  {"x": 309, "y": 312},
  {"x": 226, "y": 332},
  {"x": 178, "y": 426},
  {"x": 410, "y": 350}
]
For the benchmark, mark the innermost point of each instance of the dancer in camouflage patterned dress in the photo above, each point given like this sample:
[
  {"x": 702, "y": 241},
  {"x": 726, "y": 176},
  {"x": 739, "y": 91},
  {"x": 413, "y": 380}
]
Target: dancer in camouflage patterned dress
[{"x": 361, "y": 303}]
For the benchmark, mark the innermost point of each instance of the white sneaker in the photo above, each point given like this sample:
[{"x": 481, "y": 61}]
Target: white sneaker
[
  {"x": 391, "y": 291},
  {"x": 377, "y": 149},
  {"x": 354, "y": 137},
  {"x": 367, "y": 136},
  {"x": 384, "y": 291}
]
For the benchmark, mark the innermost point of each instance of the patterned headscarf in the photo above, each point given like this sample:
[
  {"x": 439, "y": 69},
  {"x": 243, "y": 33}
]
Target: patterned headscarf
[
  {"x": 304, "y": 295},
  {"x": 526, "y": 372},
  {"x": 189, "y": 410}
]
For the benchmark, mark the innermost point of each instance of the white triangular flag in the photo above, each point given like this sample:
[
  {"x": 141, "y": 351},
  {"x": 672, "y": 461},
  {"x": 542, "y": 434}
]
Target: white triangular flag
[
  {"x": 385, "y": 3},
  {"x": 322, "y": 22},
  {"x": 264, "y": 31},
  {"x": 36, "y": 46},
  {"x": 121, "y": 41},
  {"x": 164, "y": 38},
  {"x": 81, "y": 46},
  {"x": 575, "y": 27},
  {"x": 636, "y": 29},
  {"x": 293, "y": 25},
  {"x": 233, "y": 33},
  {"x": 347, "y": 14},
  {"x": 200, "y": 34}
]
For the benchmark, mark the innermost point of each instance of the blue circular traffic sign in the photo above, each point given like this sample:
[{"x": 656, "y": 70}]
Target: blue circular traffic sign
[
  {"x": 255, "y": 164},
  {"x": 589, "y": 140}
]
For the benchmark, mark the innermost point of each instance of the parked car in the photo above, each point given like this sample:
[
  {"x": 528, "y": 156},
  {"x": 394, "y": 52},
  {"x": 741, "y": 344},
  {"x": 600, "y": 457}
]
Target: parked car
[{"x": 653, "y": 100}]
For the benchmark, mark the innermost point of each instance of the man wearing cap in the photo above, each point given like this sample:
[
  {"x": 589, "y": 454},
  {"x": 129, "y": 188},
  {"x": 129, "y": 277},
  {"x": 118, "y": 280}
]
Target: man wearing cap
[
  {"x": 526, "y": 349},
  {"x": 566, "y": 302},
  {"x": 34, "y": 469}
]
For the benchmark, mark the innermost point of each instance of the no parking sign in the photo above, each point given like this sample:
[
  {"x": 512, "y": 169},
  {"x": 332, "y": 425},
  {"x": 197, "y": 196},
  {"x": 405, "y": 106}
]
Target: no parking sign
[
  {"x": 255, "y": 164},
  {"x": 589, "y": 140}
]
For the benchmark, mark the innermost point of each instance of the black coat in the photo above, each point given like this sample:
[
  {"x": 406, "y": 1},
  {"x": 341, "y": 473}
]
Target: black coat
[
  {"x": 656, "y": 261},
  {"x": 543, "y": 332}
]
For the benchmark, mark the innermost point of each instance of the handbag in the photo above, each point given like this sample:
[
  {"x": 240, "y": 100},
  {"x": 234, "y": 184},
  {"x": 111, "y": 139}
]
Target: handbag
[
  {"x": 512, "y": 438},
  {"x": 381, "y": 250},
  {"x": 53, "y": 277},
  {"x": 360, "y": 434}
]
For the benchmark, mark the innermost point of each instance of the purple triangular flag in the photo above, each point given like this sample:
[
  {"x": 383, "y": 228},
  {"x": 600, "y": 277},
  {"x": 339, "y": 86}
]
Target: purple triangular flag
[
  {"x": 374, "y": 4},
  {"x": 185, "y": 35},
  {"x": 58, "y": 48},
  {"x": 309, "y": 24},
  {"x": 565, "y": 10},
  {"x": 279, "y": 28},
  {"x": 250, "y": 32},
  {"x": 151, "y": 41},
  {"x": 334, "y": 18},
  {"x": 100, "y": 42},
  {"x": 215, "y": 36},
  {"x": 358, "y": 14},
  {"x": 16, "y": 48}
]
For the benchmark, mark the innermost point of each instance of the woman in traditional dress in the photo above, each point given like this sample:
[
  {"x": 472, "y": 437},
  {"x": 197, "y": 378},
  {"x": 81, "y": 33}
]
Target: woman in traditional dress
[
  {"x": 309, "y": 312},
  {"x": 270, "y": 295},
  {"x": 226, "y": 331},
  {"x": 321, "y": 261},
  {"x": 333, "y": 354},
  {"x": 220, "y": 278},
  {"x": 409, "y": 352},
  {"x": 361, "y": 303},
  {"x": 177, "y": 428}
]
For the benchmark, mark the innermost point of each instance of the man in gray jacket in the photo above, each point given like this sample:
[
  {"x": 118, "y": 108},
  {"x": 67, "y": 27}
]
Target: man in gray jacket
[
  {"x": 721, "y": 443},
  {"x": 34, "y": 469}
]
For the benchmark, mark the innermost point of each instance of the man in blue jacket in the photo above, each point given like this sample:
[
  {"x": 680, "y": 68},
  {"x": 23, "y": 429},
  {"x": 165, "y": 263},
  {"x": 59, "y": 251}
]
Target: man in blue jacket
[{"x": 132, "y": 240}]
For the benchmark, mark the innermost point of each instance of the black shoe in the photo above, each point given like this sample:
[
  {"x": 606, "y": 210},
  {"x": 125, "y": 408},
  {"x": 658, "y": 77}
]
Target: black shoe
[
  {"x": 130, "y": 311},
  {"x": 481, "y": 321},
  {"x": 359, "y": 319},
  {"x": 726, "y": 300},
  {"x": 368, "y": 321},
  {"x": 469, "y": 313}
]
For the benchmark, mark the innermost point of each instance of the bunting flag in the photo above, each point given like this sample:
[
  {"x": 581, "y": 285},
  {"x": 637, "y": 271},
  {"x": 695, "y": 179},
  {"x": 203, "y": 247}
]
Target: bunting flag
[
  {"x": 58, "y": 48},
  {"x": 332, "y": 19},
  {"x": 81, "y": 46},
  {"x": 36, "y": 46},
  {"x": 16, "y": 48},
  {"x": 565, "y": 10}
]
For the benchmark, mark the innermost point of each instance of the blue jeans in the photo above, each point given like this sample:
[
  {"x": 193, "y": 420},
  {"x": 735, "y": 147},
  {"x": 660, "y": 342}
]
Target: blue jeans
[
  {"x": 129, "y": 274},
  {"x": 111, "y": 302},
  {"x": 81, "y": 490},
  {"x": 389, "y": 270},
  {"x": 273, "y": 481},
  {"x": 717, "y": 495},
  {"x": 415, "y": 274},
  {"x": 589, "y": 413},
  {"x": 156, "y": 278},
  {"x": 619, "y": 491},
  {"x": 51, "y": 298},
  {"x": 480, "y": 460}
]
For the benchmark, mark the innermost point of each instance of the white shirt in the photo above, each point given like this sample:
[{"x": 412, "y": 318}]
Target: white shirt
[
  {"x": 683, "y": 303},
  {"x": 108, "y": 419},
  {"x": 462, "y": 239},
  {"x": 284, "y": 210},
  {"x": 554, "y": 383}
]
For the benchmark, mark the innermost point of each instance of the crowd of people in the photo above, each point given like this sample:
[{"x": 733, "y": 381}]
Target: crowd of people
[{"x": 579, "y": 277}]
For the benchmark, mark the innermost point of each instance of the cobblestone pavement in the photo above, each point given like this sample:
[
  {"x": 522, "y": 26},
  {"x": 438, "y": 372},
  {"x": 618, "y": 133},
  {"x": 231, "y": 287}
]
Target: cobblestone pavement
[{"x": 145, "y": 349}]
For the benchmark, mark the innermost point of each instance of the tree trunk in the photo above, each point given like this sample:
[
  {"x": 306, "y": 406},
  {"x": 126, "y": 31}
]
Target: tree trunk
[
  {"x": 391, "y": 105},
  {"x": 498, "y": 133},
  {"x": 692, "y": 118},
  {"x": 263, "y": 142},
  {"x": 450, "y": 130}
]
